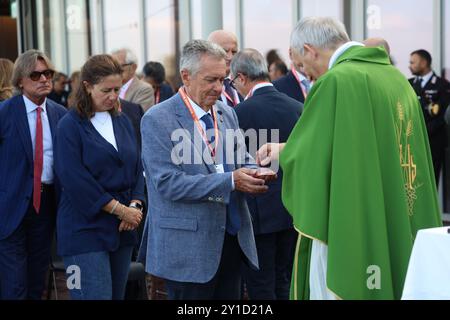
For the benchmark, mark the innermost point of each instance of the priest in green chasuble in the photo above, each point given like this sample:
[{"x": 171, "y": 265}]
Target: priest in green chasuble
[{"x": 358, "y": 176}]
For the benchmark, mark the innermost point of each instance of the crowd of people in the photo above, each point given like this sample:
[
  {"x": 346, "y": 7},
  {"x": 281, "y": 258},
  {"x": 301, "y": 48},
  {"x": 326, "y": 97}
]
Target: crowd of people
[{"x": 123, "y": 162}]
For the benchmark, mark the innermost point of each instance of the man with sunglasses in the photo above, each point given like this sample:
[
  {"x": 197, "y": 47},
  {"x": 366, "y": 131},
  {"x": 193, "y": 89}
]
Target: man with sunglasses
[{"x": 27, "y": 184}]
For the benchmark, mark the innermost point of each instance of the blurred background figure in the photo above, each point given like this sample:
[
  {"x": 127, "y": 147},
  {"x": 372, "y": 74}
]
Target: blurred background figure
[
  {"x": 277, "y": 70},
  {"x": 229, "y": 43},
  {"x": 74, "y": 83},
  {"x": 59, "y": 93},
  {"x": 434, "y": 96},
  {"x": 133, "y": 89},
  {"x": 272, "y": 56},
  {"x": 155, "y": 75},
  {"x": 6, "y": 87},
  {"x": 379, "y": 42}
]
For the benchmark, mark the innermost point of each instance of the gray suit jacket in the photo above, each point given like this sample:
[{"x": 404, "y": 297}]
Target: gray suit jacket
[
  {"x": 141, "y": 93},
  {"x": 185, "y": 226}
]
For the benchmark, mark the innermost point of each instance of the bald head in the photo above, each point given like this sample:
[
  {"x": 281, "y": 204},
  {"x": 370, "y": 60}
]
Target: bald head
[
  {"x": 377, "y": 42},
  {"x": 228, "y": 41}
]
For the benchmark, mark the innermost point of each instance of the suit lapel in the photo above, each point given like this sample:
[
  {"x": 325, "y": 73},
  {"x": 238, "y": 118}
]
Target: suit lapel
[
  {"x": 184, "y": 118},
  {"x": 20, "y": 113}
]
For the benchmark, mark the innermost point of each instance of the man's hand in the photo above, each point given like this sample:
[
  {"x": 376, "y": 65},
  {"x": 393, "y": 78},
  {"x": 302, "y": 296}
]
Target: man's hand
[
  {"x": 245, "y": 181},
  {"x": 268, "y": 153}
]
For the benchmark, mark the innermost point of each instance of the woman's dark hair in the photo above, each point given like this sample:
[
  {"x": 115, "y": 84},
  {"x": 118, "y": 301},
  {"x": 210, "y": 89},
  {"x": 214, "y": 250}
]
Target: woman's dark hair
[
  {"x": 93, "y": 72},
  {"x": 155, "y": 70}
]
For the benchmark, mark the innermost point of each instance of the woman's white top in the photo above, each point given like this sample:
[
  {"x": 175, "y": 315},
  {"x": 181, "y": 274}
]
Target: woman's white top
[{"x": 102, "y": 122}]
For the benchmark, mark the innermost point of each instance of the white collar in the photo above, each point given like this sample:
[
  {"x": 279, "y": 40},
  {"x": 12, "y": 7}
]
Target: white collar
[
  {"x": 341, "y": 50},
  {"x": 426, "y": 78},
  {"x": 31, "y": 106},
  {"x": 262, "y": 85}
]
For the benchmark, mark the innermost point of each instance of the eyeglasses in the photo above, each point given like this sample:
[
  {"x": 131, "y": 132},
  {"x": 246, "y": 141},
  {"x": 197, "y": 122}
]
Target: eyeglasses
[
  {"x": 233, "y": 80},
  {"x": 36, "y": 75}
]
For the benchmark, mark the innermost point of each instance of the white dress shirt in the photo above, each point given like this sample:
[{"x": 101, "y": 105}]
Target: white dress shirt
[
  {"x": 47, "y": 169},
  {"x": 102, "y": 122},
  {"x": 124, "y": 89},
  {"x": 426, "y": 78}
]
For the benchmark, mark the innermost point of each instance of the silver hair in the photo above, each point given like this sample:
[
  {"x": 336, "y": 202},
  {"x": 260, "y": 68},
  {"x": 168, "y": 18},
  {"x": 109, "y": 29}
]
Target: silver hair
[
  {"x": 251, "y": 63},
  {"x": 320, "y": 32},
  {"x": 130, "y": 56},
  {"x": 194, "y": 50},
  {"x": 26, "y": 63}
]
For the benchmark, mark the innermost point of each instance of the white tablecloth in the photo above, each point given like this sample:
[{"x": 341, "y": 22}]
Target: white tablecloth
[{"x": 428, "y": 274}]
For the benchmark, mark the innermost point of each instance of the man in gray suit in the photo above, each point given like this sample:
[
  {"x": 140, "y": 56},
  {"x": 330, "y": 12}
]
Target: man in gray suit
[
  {"x": 133, "y": 90},
  {"x": 198, "y": 228}
]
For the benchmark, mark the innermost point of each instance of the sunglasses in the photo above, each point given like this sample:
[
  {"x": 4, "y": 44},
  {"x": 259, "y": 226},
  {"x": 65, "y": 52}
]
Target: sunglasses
[{"x": 36, "y": 75}]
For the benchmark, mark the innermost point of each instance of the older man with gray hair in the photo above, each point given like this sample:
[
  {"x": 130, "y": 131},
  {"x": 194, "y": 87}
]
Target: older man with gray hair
[
  {"x": 133, "y": 89},
  {"x": 358, "y": 176},
  {"x": 198, "y": 229},
  {"x": 273, "y": 112}
]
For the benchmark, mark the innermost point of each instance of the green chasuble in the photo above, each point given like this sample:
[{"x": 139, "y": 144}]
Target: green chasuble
[{"x": 358, "y": 177}]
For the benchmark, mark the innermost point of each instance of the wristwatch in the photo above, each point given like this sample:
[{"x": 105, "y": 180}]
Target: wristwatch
[{"x": 137, "y": 205}]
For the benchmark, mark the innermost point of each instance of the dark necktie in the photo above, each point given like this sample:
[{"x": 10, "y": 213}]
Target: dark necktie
[
  {"x": 233, "y": 223},
  {"x": 418, "y": 85},
  {"x": 229, "y": 91},
  {"x": 207, "y": 119},
  {"x": 38, "y": 161}
]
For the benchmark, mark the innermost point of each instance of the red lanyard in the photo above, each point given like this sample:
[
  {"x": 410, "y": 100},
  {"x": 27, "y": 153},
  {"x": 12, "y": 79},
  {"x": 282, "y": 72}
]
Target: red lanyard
[
  {"x": 294, "y": 72},
  {"x": 188, "y": 105},
  {"x": 250, "y": 94},
  {"x": 231, "y": 99},
  {"x": 157, "y": 95}
]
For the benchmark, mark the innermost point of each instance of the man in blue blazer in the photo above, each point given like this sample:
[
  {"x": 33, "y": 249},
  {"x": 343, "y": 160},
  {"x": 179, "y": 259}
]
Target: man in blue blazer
[
  {"x": 267, "y": 109},
  {"x": 198, "y": 229},
  {"x": 27, "y": 184}
]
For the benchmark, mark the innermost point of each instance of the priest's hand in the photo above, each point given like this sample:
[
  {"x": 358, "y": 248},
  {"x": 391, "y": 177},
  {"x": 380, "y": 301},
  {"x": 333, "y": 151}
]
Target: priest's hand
[
  {"x": 245, "y": 180},
  {"x": 268, "y": 153}
]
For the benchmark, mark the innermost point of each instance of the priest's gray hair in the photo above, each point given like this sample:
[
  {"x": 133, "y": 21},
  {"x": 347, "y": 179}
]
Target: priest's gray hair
[
  {"x": 194, "y": 50},
  {"x": 251, "y": 63},
  {"x": 320, "y": 32}
]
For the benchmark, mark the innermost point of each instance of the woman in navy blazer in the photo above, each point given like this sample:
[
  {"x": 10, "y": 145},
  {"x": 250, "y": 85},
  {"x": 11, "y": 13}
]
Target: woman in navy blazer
[{"x": 98, "y": 163}]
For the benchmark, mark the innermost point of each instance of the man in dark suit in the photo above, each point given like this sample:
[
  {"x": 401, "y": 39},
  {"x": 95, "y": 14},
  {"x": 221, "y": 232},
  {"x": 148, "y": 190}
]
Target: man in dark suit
[
  {"x": 266, "y": 109},
  {"x": 294, "y": 84},
  {"x": 434, "y": 96},
  {"x": 135, "y": 113},
  {"x": 28, "y": 184}
]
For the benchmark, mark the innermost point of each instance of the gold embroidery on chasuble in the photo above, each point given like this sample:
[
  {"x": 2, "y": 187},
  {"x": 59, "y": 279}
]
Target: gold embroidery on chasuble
[{"x": 404, "y": 131}]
